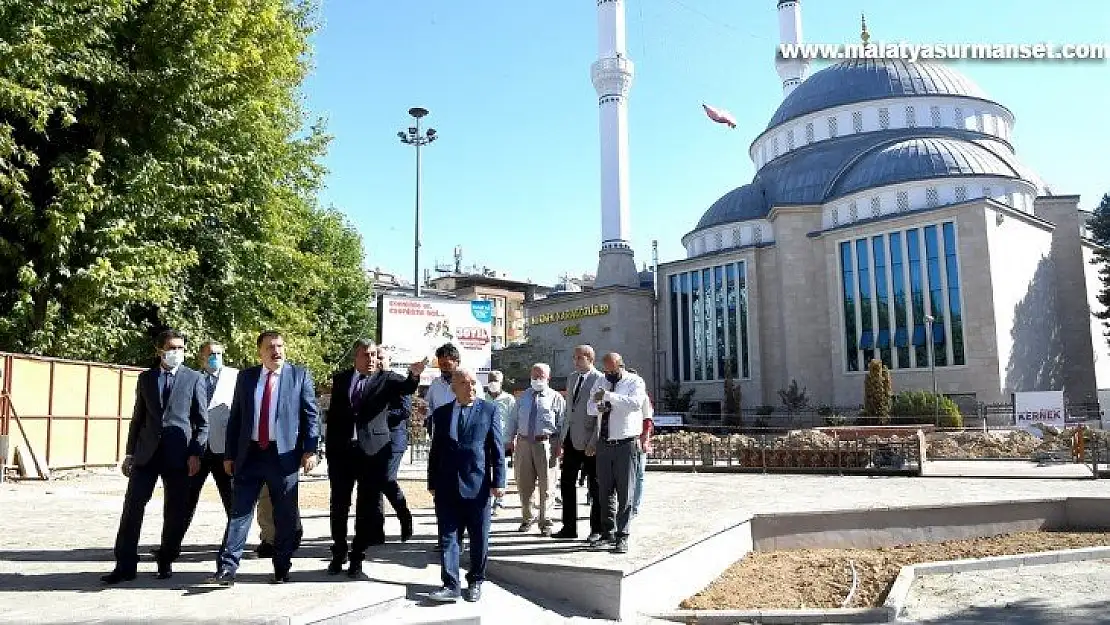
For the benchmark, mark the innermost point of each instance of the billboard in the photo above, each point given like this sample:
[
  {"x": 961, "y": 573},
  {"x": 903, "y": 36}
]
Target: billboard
[
  {"x": 412, "y": 328},
  {"x": 1045, "y": 407}
]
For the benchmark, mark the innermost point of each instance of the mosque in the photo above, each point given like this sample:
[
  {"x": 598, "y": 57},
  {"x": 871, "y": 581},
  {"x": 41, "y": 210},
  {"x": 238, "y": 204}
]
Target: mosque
[{"x": 889, "y": 218}]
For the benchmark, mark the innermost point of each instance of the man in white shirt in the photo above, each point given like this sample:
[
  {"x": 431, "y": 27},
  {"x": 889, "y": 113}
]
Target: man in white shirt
[
  {"x": 621, "y": 433},
  {"x": 645, "y": 449},
  {"x": 439, "y": 392},
  {"x": 505, "y": 405},
  {"x": 219, "y": 385},
  {"x": 532, "y": 429}
]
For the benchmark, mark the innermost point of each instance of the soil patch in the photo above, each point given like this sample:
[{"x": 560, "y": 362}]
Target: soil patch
[{"x": 821, "y": 578}]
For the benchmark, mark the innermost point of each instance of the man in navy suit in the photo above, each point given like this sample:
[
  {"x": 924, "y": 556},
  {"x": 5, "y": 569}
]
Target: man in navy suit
[
  {"x": 465, "y": 466},
  {"x": 272, "y": 431},
  {"x": 167, "y": 437}
]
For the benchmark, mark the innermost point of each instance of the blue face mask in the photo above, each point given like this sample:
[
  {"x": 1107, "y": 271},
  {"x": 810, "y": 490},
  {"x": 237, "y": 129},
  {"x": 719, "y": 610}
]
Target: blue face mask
[{"x": 215, "y": 362}]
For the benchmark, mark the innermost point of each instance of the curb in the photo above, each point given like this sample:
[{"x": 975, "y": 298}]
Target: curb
[{"x": 896, "y": 597}]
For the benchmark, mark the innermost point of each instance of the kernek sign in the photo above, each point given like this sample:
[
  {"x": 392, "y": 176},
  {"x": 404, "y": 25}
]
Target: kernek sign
[
  {"x": 413, "y": 328},
  {"x": 1046, "y": 407}
]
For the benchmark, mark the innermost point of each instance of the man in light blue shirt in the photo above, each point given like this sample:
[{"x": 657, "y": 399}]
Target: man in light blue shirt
[
  {"x": 532, "y": 429},
  {"x": 505, "y": 404}
]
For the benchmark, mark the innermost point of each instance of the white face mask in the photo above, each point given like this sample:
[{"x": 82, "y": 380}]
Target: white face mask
[
  {"x": 173, "y": 357},
  {"x": 495, "y": 387},
  {"x": 539, "y": 385}
]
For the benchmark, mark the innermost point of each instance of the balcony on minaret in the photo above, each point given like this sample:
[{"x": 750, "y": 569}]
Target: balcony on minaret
[{"x": 612, "y": 76}]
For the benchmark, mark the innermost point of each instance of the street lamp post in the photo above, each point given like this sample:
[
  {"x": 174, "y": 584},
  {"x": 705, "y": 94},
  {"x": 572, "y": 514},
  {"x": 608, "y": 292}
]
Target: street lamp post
[
  {"x": 929, "y": 319},
  {"x": 414, "y": 138}
]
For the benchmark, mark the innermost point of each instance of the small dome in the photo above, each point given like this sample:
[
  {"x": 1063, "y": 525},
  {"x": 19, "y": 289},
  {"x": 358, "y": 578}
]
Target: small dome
[
  {"x": 919, "y": 159},
  {"x": 860, "y": 80},
  {"x": 740, "y": 204}
]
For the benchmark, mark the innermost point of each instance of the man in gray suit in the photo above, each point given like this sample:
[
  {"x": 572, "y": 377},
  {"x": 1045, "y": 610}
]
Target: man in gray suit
[
  {"x": 574, "y": 437},
  {"x": 167, "y": 437}
]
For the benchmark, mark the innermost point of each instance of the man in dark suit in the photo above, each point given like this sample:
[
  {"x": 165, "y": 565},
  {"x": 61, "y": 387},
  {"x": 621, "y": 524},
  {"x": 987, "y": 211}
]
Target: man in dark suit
[
  {"x": 272, "y": 431},
  {"x": 399, "y": 413},
  {"x": 465, "y": 466},
  {"x": 358, "y": 448},
  {"x": 167, "y": 437},
  {"x": 574, "y": 436}
]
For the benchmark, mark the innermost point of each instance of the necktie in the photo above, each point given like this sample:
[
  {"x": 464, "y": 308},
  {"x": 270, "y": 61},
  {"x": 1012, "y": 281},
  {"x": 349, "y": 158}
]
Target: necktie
[
  {"x": 356, "y": 401},
  {"x": 463, "y": 414},
  {"x": 577, "y": 387},
  {"x": 605, "y": 415},
  {"x": 533, "y": 416},
  {"x": 211, "y": 387},
  {"x": 264, "y": 413},
  {"x": 167, "y": 386}
]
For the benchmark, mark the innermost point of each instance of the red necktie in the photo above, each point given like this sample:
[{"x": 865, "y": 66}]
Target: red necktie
[{"x": 264, "y": 413}]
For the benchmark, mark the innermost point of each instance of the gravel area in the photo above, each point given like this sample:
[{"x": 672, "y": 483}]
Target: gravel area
[{"x": 821, "y": 578}]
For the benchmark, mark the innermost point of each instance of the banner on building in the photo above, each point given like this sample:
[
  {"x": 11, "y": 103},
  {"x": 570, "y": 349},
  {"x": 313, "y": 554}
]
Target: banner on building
[
  {"x": 413, "y": 328},
  {"x": 1045, "y": 407}
]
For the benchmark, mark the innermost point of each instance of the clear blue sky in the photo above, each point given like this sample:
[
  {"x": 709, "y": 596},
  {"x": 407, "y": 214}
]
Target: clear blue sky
[{"x": 514, "y": 177}]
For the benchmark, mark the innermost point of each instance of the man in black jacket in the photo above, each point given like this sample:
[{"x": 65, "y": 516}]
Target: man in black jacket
[
  {"x": 399, "y": 412},
  {"x": 167, "y": 437},
  {"x": 358, "y": 451}
]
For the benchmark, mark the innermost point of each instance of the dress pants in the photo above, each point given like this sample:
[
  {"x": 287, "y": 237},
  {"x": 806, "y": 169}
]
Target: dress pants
[
  {"x": 641, "y": 466},
  {"x": 342, "y": 476},
  {"x": 210, "y": 463},
  {"x": 574, "y": 462},
  {"x": 392, "y": 490},
  {"x": 616, "y": 473},
  {"x": 454, "y": 515},
  {"x": 264, "y": 514},
  {"x": 261, "y": 467},
  {"x": 531, "y": 467},
  {"x": 140, "y": 488}
]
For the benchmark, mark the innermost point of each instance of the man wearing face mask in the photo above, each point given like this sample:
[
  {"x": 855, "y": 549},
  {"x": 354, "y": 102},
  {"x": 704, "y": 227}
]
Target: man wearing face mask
[
  {"x": 533, "y": 428},
  {"x": 505, "y": 405},
  {"x": 167, "y": 438},
  {"x": 621, "y": 433},
  {"x": 574, "y": 437}
]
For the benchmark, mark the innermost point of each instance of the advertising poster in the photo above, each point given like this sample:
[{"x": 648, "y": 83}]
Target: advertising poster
[
  {"x": 412, "y": 328},
  {"x": 1046, "y": 407}
]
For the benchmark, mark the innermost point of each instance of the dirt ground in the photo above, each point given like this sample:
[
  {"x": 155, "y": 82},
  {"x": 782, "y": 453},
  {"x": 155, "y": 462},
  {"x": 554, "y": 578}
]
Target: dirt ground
[
  {"x": 314, "y": 494},
  {"x": 821, "y": 578}
]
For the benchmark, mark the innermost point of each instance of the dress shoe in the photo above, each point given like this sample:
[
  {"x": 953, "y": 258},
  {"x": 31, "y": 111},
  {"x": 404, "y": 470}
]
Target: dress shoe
[
  {"x": 525, "y": 526},
  {"x": 621, "y": 546},
  {"x": 406, "y": 527},
  {"x": 118, "y": 576},
  {"x": 600, "y": 540},
  {"x": 355, "y": 570},
  {"x": 336, "y": 565},
  {"x": 280, "y": 577},
  {"x": 444, "y": 595},
  {"x": 265, "y": 550},
  {"x": 545, "y": 530},
  {"x": 224, "y": 577},
  {"x": 165, "y": 571},
  {"x": 564, "y": 534},
  {"x": 473, "y": 592}
]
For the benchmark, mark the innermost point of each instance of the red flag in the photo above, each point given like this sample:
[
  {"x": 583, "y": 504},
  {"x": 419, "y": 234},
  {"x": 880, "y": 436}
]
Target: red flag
[{"x": 720, "y": 116}]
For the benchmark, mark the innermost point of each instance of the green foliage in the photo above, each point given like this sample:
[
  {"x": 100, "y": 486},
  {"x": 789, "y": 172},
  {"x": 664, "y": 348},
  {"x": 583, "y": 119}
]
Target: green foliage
[
  {"x": 877, "y": 392},
  {"x": 919, "y": 406},
  {"x": 156, "y": 170},
  {"x": 675, "y": 399},
  {"x": 1099, "y": 228},
  {"x": 793, "y": 399}
]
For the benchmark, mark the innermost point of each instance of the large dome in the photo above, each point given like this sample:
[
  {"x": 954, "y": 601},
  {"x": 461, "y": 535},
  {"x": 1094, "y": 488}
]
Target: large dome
[
  {"x": 861, "y": 80},
  {"x": 919, "y": 159}
]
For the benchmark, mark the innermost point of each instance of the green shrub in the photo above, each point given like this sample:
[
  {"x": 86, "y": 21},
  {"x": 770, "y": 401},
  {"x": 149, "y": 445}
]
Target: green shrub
[{"x": 918, "y": 407}]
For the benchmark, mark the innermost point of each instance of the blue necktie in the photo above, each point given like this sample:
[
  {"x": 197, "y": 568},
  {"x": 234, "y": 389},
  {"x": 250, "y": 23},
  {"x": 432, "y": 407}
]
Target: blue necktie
[{"x": 533, "y": 416}]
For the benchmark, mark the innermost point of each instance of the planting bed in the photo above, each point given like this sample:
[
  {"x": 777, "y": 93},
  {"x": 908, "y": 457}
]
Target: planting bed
[{"x": 821, "y": 578}]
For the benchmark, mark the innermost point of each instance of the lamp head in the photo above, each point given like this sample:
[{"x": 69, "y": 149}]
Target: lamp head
[
  {"x": 418, "y": 112},
  {"x": 431, "y": 133}
]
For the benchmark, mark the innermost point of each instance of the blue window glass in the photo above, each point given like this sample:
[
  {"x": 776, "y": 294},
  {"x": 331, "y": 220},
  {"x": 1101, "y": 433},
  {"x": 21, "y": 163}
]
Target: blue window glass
[
  {"x": 708, "y": 346},
  {"x": 732, "y": 322},
  {"x": 848, "y": 280},
  {"x": 742, "y": 279},
  {"x": 676, "y": 341},
  {"x": 863, "y": 274},
  {"x": 936, "y": 295},
  {"x": 917, "y": 296},
  {"x": 699, "y": 326},
  {"x": 687, "y": 345},
  {"x": 898, "y": 288},
  {"x": 955, "y": 316},
  {"x": 720, "y": 319},
  {"x": 882, "y": 305}
]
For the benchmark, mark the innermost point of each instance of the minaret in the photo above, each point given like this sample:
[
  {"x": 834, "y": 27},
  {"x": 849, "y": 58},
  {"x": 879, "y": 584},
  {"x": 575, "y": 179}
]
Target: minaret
[
  {"x": 791, "y": 71},
  {"x": 612, "y": 78}
]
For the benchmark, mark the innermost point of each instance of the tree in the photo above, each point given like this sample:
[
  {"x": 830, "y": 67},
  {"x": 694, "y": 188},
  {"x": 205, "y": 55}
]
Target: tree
[
  {"x": 675, "y": 399},
  {"x": 732, "y": 397},
  {"x": 793, "y": 400},
  {"x": 156, "y": 170},
  {"x": 876, "y": 392},
  {"x": 1099, "y": 228}
]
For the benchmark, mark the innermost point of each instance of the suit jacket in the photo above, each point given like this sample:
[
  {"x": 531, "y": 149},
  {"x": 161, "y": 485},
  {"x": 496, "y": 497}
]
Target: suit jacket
[
  {"x": 180, "y": 429},
  {"x": 297, "y": 425},
  {"x": 219, "y": 409},
  {"x": 381, "y": 396},
  {"x": 466, "y": 464},
  {"x": 399, "y": 414},
  {"x": 581, "y": 416}
]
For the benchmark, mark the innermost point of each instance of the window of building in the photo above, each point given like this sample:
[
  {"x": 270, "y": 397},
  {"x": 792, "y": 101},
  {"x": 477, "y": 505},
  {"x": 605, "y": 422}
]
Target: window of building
[
  {"x": 709, "y": 327},
  {"x": 853, "y": 211},
  {"x": 961, "y": 193},
  {"x": 697, "y": 348},
  {"x": 809, "y": 133},
  {"x": 832, "y": 128},
  {"x": 736, "y": 237},
  {"x": 958, "y": 115},
  {"x": 757, "y": 235},
  {"x": 936, "y": 296},
  {"x": 863, "y": 276},
  {"x": 917, "y": 298},
  {"x": 857, "y": 121},
  {"x": 790, "y": 139},
  {"x": 935, "y": 113},
  {"x": 883, "y": 336},
  {"x": 903, "y": 201},
  {"x": 911, "y": 117},
  {"x": 884, "y": 118},
  {"x": 718, "y": 239},
  {"x": 676, "y": 312},
  {"x": 955, "y": 316},
  {"x": 835, "y": 216},
  {"x": 775, "y": 143},
  {"x": 876, "y": 207},
  {"x": 848, "y": 284},
  {"x": 720, "y": 319},
  {"x": 932, "y": 197},
  {"x": 899, "y": 301}
]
